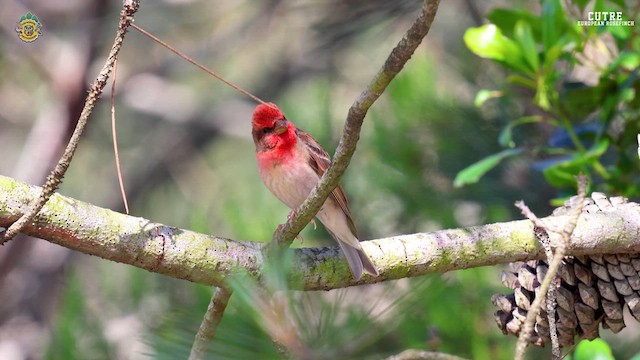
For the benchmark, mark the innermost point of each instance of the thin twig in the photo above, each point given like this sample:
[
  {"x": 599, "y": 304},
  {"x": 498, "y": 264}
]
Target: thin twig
[
  {"x": 540, "y": 230},
  {"x": 202, "y": 67},
  {"x": 115, "y": 137},
  {"x": 559, "y": 254},
  {"x": 551, "y": 299},
  {"x": 210, "y": 322},
  {"x": 347, "y": 146},
  {"x": 543, "y": 236},
  {"x": 55, "y": 178}
]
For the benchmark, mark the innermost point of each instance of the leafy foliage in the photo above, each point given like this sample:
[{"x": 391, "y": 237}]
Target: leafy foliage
[
  {"x": 579, "y": 85},
  {"x": 596, "y": 349}
]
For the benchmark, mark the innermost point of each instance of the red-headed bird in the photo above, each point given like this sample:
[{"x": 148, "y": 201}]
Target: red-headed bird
[{"x": 291, "y": 163}]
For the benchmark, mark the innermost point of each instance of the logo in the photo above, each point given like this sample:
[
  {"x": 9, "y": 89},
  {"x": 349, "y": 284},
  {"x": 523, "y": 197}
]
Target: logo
[
  {"x": 29, "y": 27},
  {"x": 605, "y": 18}
]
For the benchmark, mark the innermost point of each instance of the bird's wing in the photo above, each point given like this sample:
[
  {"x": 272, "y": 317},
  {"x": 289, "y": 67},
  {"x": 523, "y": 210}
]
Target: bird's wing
[{"x": 320, "y": 161}]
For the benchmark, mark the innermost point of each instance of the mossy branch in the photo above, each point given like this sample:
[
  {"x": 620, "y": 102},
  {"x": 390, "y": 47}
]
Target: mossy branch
[{"x": 209, "y": 259}]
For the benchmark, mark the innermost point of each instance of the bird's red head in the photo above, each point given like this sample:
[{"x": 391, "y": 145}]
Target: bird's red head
[
  {"x": 266, "y": 115},
  {"x": 271, "y": 129}
]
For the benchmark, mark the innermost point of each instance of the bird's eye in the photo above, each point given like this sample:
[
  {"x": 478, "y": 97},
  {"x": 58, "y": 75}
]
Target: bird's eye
[{"x": 266, "y": 130}]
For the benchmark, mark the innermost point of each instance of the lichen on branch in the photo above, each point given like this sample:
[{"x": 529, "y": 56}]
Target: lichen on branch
[{"x": 209, "y": 260}]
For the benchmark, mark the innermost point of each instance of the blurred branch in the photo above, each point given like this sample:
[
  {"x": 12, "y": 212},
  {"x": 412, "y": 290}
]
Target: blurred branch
[
  {"x": 208, "y": 259},
  {"x": 412, "y": 354},
  {"x": 395, "y": 62},
  {"x": 209, "y": 325},
  {"x": 55, "y": 177}
]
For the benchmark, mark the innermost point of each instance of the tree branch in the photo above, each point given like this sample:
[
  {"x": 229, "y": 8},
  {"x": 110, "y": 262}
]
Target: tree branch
[
  {"x": 209, "y": 259},
  {"x": 347, "y": 146},
  {"x": 413, "y": 354},
  {"x": 209, "y": 325}
]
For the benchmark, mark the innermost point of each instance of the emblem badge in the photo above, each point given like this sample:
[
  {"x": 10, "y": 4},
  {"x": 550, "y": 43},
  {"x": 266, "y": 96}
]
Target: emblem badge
[{"x": 29, "y": 27}]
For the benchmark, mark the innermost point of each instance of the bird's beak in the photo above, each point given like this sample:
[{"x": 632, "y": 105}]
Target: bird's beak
[{"x": 280, "y": 127}]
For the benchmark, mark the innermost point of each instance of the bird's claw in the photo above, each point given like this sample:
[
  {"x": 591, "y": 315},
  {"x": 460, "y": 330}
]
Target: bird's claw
[
  {"x": 281, "y": 226},
  {"x": 293, "y": 212}
]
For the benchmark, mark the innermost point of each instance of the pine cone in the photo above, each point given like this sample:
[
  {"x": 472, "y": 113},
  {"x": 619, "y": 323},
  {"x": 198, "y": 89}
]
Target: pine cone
[{"x": 590, "y": 290}]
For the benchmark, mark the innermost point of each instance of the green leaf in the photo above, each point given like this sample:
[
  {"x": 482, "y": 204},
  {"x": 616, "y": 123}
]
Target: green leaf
[
  {"x": 550, "y": 28},
  {"x": 627, "y": 60},
  {"x": 488, "y": 42},
  {"x": 524, "y": 36},
  {"x": 598, "y": 6},
  {"x": 562, "y": 173},
  {"x": 556, "y": 27},
  {"x": 473, "y": 173},
  {"x": 483, "y": 95},
  {"x": 522, "y": 81},
  {"x": 596, "y": 349},
  {"x": 581, "y": 4},
  {"x": 29, "y": 15},
  {"x": 620, "y": 32},
  {"x": 505, "y": 138},
  {"x": 577, "y": 101},
  {"x": 506, "y": 20},
  {"x": 551, "y": 57},
  {"x": 543, "y": 94}
]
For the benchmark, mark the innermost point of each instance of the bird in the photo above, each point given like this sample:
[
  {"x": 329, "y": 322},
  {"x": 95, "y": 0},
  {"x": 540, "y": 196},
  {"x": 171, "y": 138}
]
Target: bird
[{"x": 290, "y": 163}]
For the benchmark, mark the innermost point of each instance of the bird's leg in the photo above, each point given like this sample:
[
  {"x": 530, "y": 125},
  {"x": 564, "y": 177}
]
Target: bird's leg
[{"x": 292, "y": 213}]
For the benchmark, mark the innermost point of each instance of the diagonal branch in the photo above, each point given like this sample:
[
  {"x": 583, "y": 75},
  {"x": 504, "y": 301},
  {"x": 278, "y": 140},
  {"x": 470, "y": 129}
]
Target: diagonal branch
[
  {"x": 54, "y": 179},
  {"x": 208, "y": 259},
  {"x": 209, "y": 325},
  {"x": 347, "y": 146}
]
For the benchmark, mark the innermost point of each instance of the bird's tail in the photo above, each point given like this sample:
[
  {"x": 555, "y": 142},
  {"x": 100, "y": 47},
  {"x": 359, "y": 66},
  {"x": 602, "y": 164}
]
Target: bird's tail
[{"x": 358, "y": 260}]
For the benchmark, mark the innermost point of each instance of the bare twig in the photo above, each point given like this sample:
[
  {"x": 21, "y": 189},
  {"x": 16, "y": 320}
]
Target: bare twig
[
  {"x": 197, "y": 64},
  {"x": 276, "y": 320},
  {"x": 551, "y": 302},
  {"x": 55, "y": 178},
  {"x": 540, "y": 230},
  {"x": 565, "y": 233},
  {"x": 392, "y": 66},
  {"x": 210, "y": 322},
  {"x": 115, "y": 137}
]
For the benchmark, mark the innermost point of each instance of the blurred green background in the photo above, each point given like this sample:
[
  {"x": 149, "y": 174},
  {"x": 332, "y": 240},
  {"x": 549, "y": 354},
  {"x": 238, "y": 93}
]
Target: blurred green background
[{"x": 188, "y": 161}]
